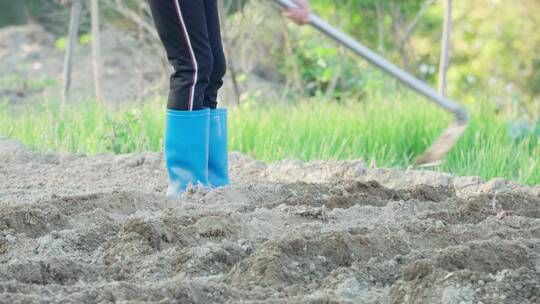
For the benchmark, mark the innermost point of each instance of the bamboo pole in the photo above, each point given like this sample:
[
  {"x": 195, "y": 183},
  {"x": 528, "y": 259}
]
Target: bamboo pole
[
  {"x": 380, "y": 25},
  {"x": 96, "y": 48},
  {"x": 74, "y": 21},
  {"x": 445, "y": 48}
]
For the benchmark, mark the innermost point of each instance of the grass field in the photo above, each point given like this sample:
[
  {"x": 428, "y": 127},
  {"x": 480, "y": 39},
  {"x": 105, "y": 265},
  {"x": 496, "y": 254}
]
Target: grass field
[{"x": 391, "y": 131}]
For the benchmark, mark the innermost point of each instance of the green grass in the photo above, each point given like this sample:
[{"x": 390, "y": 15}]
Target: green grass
[{"x": 391, "y": 131}]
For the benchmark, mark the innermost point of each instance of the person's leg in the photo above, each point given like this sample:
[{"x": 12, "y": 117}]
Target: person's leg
[
  {"x": 218, "y": 171},
  {"x": 181, "y": 25},
  {"x": 182, "y": 28},
  {"x": 219, "y": 67}
]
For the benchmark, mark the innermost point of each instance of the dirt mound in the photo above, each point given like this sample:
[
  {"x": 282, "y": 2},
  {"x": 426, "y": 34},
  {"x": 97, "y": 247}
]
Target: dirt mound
[
  {"x": 32, "y": 62},
  {"x": 78, "y": 229}
]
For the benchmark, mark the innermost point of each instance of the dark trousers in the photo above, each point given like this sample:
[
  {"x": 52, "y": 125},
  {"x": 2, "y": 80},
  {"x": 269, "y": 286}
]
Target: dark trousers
[{"x": 190, "y": 32}]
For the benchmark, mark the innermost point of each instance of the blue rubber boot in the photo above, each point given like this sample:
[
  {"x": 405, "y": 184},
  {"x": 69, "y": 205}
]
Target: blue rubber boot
[
  {"x": 218, "y": 160},
  {"x": 186, "y": 149}
]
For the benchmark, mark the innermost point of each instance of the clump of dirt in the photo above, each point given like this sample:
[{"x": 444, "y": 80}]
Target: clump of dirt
[{"x": 79, "y": 229}]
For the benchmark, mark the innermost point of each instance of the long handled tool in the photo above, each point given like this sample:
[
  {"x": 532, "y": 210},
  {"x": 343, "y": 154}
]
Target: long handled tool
[{"x": 437, "y": 152}]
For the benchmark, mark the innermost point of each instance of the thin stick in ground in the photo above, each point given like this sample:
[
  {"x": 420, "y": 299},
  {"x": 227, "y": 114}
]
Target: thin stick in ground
[
  {"x": 96, "y": 48},
  {"x": 74, "y": 22},
  {"x": 445, "y": 48}
]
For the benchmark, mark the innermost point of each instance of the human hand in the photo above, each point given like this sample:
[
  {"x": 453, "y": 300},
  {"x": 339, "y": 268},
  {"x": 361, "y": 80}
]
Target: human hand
[{"x": 299, "y": 15}]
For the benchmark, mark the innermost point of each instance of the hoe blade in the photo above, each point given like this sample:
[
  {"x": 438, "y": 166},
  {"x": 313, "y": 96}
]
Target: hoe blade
[{"x": 435, "y": 155}]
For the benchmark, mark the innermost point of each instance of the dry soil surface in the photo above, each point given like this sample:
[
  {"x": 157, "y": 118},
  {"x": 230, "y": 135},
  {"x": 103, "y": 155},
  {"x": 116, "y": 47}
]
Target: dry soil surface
[{"x": 81, "y": 229}]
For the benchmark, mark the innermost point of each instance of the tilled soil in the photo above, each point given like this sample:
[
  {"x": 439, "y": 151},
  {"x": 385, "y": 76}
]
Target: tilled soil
[{"x": 79, "y": 229}]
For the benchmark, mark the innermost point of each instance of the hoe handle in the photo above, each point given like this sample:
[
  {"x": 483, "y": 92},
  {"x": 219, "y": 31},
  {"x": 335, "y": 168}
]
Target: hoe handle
[{"x": 412, "y": 82}]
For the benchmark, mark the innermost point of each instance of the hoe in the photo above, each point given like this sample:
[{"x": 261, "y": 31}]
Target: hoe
[{"x": 438, "y": 151}]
